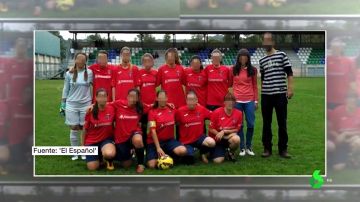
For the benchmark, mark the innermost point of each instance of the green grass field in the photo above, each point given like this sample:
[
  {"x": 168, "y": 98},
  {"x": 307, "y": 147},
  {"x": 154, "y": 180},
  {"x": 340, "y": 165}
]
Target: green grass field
[
  {"x": 291, "y": 8},
  {"x": 306, "y": 122}
]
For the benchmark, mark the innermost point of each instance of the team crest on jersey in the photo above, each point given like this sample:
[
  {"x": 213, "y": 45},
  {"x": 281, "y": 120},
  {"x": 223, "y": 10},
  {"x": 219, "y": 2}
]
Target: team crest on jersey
[
  {"x": 199, "y": 78},
  {"x": 107, "y": 116},
  {"x": 109, "y": 71},
  {"x": 234, "y": 121},
  {"x": 221, "y": 73},
  {"x": 177, "y": 73},
  {"x": 198, "y": 114},
  {"x": 130, "y": 74}
]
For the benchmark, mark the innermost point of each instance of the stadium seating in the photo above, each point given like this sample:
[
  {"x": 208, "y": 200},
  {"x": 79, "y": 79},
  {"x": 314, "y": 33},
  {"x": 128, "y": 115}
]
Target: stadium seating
[{"x": 308, "y": 55}]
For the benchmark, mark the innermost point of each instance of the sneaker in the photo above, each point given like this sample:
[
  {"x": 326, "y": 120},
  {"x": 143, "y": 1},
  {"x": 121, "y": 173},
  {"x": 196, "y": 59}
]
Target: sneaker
[
  {"x": 242, "y": 152},
  {"x": 109, "y": 165},
  {"x": 266, "y": 154},
  {"x": 83, "y": 157},
  {"x": 75, "y": 157},
  {"x": 285, "y": 155},
  {"x": 140, "y": 168},
  {"x": 250, "y": 152}
]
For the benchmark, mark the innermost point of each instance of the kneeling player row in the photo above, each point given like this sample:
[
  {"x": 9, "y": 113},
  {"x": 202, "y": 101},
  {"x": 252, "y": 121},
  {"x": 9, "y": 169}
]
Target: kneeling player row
[{"x": 116, "y": 129}]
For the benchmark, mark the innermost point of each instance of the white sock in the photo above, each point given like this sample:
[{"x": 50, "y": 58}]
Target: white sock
[{"x": 74, "y": 139}]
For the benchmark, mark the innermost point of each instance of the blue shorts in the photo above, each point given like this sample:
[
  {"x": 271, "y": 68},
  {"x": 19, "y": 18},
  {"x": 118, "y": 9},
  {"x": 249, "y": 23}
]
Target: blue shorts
[
  {"x": 220, "y": 149},
  {"x": 197, "y": 144},
  {"x": 168, "y": 146},
  {"x": 123, "y": 150},
  {"x": 100, "y": 145}
]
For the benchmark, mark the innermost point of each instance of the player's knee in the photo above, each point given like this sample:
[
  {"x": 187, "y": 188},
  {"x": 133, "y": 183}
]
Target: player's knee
[
  {"x": 210, "y": 142},
  {"x": 235, "y": 139},
  {"x": 180, "y": 151},
  {"x": 218, "y": 160},
  {"x": 109, "y": 153},
  {"x": 74, "y": 127},
  {"x": 138, "y": 142},
  {"x": 94, "y": 165},
  {"x": 151, "y": 164}
]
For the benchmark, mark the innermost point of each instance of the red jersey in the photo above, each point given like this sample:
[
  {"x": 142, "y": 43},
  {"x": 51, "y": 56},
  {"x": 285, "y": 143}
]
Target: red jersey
[
  {"x": 218, "y": 83},
  {"x": 126, "y": 122},
  {"x": 344, "y": 120},
  {"x": 21, "y": 123},
  {"x": 339, "y": 77},
  {"x": 21, "y": 76},
  {"x": 148, "y": 85},
  {"x": 171, "y": 80},
  {"x": 191, "y": 123},
  {"x": 100, "y": 129},
  {"x": 196, "y": 81},
  {"x": 163, "y": 120},
  {"x": 244, "y": 87},
  {"x": 102, "y": 79},
  {"x": 221, "y": 121},
  {"x": 124, "y": 80}
]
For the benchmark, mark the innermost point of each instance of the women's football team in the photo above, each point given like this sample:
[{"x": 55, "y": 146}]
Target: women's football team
[{"x": 119, "y": 110}]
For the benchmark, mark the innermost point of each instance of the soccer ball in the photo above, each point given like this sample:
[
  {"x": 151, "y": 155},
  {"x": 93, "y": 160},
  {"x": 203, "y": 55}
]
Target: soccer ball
[
  {"x": 276, "y": 3},
  {"x": 165, "y": 162},
  {"x": 64, "y": 5}
]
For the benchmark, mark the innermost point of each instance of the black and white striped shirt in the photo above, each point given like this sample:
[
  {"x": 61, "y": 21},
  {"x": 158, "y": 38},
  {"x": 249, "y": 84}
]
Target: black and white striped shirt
[{"x": 274, "y": 70}]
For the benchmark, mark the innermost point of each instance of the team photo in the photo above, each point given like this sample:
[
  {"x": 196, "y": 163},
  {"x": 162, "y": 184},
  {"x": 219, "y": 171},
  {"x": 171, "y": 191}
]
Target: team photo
[{"x": 181, "y": 103}]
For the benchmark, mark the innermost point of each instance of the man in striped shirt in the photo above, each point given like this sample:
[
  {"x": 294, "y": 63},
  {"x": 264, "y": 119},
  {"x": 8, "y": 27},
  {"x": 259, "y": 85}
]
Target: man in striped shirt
[{"x": 275, "y": 69}]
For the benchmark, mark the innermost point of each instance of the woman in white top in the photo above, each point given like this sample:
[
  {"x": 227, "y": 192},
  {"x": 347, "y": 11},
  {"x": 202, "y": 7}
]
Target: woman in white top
[{"x": 76, "y": 97}]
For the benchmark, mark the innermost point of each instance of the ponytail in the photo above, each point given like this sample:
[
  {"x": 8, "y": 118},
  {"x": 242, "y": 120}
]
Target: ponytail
[{"x": 95, "y": 111}]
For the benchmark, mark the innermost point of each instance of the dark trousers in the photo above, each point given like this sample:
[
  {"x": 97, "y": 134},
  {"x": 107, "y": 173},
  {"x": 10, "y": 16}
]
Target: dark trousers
[{"x": 268, "y": 103}]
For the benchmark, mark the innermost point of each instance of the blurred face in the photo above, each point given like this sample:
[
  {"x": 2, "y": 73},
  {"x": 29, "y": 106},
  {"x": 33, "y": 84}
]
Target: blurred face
[
  {"x": 268, "y": 42},
  {"x": 216, "y": 58},
  {"x": 148, "y": 62},
  {"x": 191, "y": 101},
  {"x": 162, "y": 99},
  {"x": 125, "y": 56},
  {"x": 101, "y": 98},
  {"x": 132, "y": 98},
  {"x": 170, "y": 59},
  {"x": 80, "y": 60},
  {"x": 102, "y": 59},
  {"x": 243, "y": 60},
  {"x": 195, "y": 64},
  {"x": 229, "y": 104}
]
